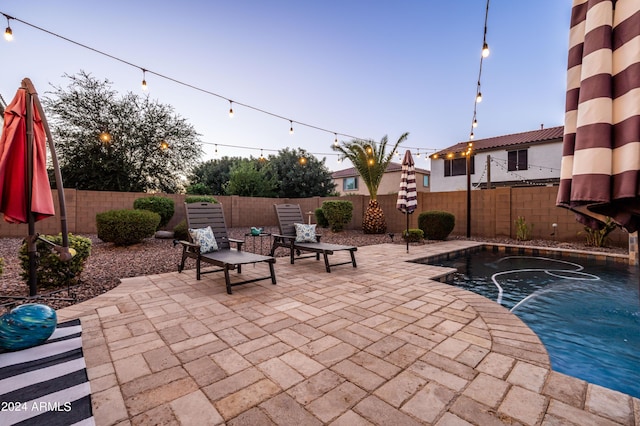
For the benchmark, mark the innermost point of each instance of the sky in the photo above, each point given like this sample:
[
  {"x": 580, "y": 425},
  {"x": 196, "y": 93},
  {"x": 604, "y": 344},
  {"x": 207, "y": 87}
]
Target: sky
[{"x": 357, "y": 68}]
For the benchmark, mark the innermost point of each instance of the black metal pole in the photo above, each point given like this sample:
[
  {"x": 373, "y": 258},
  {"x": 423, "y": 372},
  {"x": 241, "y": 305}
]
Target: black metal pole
[
  {"x": 31, "y": 238},
  {"x": 406, "y": 213},
  {"x": 468, "y": 194}
]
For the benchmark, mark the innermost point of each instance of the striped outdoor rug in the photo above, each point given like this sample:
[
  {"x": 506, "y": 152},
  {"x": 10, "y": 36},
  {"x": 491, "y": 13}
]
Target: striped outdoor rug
[{"x": 47, "y": 384}]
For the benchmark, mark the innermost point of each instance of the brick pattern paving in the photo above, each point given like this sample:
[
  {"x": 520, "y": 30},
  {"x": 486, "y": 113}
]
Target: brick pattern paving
[{"x": 383, "y": 344}]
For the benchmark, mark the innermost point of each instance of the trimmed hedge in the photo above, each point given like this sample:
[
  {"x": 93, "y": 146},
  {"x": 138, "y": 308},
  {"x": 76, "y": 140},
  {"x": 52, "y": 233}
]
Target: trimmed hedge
[
  {"x": 320, "y": 219},
  {"x": 436, "y": 225},
  {"x": 51, "y": 272},
  {"x": 164, "y": 206},
  {"x": 126, "y": 227},
  {"x": 414, "y": 235},
  {"x": 200, "y": 199},
  {"x": 338, "y": 213}
]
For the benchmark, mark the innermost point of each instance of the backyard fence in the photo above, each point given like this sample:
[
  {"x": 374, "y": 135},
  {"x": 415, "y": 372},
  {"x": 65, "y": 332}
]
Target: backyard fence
[{"x": 493, "y": 212}]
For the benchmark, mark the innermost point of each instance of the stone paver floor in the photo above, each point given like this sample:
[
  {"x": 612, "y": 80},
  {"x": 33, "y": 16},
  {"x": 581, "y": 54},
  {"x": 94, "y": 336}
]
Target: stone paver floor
[{"x": 381, "y": 344}]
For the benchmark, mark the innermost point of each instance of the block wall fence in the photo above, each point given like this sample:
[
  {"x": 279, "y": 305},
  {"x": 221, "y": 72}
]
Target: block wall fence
[{"x": 493, "y": 212}]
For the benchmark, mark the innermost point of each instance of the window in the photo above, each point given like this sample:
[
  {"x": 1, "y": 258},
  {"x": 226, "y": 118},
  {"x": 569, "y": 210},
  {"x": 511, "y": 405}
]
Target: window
[
  {"x": 458, "y": 166},
  {"x": 350, "y": 184},
  {"x": 425, "y": 181},
  {"x": 517, "y": 160}
]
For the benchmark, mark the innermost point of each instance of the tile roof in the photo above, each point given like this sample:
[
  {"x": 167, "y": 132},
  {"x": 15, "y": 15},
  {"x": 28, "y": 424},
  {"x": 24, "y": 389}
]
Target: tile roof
[
  {"x": 392, "y": 167},
  {"x": 534, "y": 136}
]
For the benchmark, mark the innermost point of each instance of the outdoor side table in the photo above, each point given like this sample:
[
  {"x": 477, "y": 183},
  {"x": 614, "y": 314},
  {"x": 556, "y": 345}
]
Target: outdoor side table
[{"x": 253, "y": 239}]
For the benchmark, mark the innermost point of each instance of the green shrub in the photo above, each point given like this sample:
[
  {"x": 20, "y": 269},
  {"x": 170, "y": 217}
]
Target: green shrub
[
  {"x": 180, "y": 231},
  {"x": 320, "y": 219},
  {"x": 523, "y": 229},
  {"x": 338, "y": 213},
  {"x": 599, "y": 237},
  {"x": 436, "y": 225},
  {"x": 199, "y": 189},
  {"x": 200, "y": 199},
  {"x": 126, "y": 227},
  {"x": 1, "y": 265},
  {"x": 164, "y": 206},
  {"x": 413, "y": 236},
  {"x": 51, "y": 271}
]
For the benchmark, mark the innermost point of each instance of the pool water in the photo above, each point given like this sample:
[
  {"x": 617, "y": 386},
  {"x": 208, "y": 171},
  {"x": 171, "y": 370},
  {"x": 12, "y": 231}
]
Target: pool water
[{"x": 586, "y": 314}]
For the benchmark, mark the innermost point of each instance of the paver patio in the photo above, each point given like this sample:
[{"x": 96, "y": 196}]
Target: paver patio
[{"x": 382, "y": 344}]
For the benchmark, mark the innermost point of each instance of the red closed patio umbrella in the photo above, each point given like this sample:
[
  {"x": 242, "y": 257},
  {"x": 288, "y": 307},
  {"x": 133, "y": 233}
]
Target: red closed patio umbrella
[
  {"x": 25, "y": 193},
  {"x": 600, "y": 172}
]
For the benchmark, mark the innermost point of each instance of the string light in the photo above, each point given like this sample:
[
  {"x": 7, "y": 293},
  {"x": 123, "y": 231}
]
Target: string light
[
  {"x": 105, "y": 137},
  {"x": 291, "y": 128},
  {"x": 8, "y": 34},
  {"x": 164, "y": 145},
  {"x": 485, "y": 50},
  {"x": 335, "y": 142},
  {"x": 144, "y": 80},
  {"x": 302, "y": 160},
  {"x": 261, "y": 156},
  {"x": 215, "y": 152},
  {"x": 484, "y": 54},
  {"x": 418, "y": 154},
  {"x": 230, "y": 108}
]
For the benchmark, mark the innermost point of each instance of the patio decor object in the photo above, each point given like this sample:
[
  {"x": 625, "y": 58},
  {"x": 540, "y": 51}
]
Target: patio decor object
[
  {"x": 408, "y": 194},
  {"x": 208, "y": 215},
  {"x": 47, "y": 384},
  {"x": 305, "y": 240},
  {"x": 26, "y": 326},
  {"x": 600, "y": 171}
]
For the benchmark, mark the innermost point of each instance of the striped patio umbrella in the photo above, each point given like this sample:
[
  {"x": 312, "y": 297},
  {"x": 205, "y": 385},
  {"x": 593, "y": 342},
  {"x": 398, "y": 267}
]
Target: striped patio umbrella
[
  {"x": 408, "y": 195},
  {"x": 600, "y": 172}
]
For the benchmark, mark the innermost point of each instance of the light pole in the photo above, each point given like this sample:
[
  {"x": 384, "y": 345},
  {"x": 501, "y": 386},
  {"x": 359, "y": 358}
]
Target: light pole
[{"x": 469, "y": 145}]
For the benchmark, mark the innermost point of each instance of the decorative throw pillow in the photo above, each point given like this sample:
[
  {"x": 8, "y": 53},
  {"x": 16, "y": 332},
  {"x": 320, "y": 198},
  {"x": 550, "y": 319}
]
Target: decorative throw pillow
[
  {"x": 305, "y": 233},
  {"x": 204, "y": 238}
]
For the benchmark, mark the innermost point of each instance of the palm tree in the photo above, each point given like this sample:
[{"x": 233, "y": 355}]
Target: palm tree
[{"x": 370, "y": 160}]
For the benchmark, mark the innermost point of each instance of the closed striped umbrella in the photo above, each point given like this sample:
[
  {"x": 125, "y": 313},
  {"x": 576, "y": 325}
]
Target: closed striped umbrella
[
  {"x": 600, "y": 172},
  {"x": 407, "y": 195}
]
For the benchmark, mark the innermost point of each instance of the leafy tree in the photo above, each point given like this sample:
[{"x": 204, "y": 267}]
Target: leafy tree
[
  {"x": 370, "y": 159},
  {"x": 214, "y": 173},
  {"x": 118, "y": 143},
  {"x": 301, "y": 179},
  {"x": 250, "y": 179}
]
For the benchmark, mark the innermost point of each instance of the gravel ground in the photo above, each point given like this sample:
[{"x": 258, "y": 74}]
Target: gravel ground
[{"x": 108, "y": 263}]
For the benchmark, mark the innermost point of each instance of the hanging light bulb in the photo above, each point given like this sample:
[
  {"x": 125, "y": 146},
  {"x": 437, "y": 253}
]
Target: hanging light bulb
[
  {"x": 339, "y": 160},
  {"x": 105, "y": 137},
  {"x": 471, "y": 135},
  {"x": 369, "y": 149},
  {"x": 8, "y": 34},
  {"x": 485, "y": 50},
  {"x": 164, "y": 145},
  {"x": 302, "y": 160},
  {"x": 418, "y": 154},
  {"x": 335, "y": 142},
  {"x": 215, "y": 152},
  {"x": 475, "y": 123},
  {"x": 371, "y": 161},
  {"x": 291, "y": 128},
  {"x": 144, "y": 81},
  {"x": 261, "y": 156},
  {"x": 230, "y": 108},
  {"x": 479, "y": 97}
]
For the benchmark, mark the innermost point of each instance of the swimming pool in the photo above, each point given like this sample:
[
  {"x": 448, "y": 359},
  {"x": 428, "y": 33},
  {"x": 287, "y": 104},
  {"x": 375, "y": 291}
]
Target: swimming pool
[{"x": 586, "y": 314}]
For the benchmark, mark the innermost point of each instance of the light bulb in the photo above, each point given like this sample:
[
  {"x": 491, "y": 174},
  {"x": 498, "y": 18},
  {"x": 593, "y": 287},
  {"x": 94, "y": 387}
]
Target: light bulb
[
  {"x": 335, "y": 142},
  {"x": 230, "y": 109},
  {"x": 303, "y": 161},
  {"x": 471, "y": 135},
  {"x": 479, "y": 97},
  {"x": 8, "y": 34},
  {"x": 105, "y": 137},
  {"x": 371, "y": 161},
  {"x": 164, "y": 145},
  {"x": 291, "y": 128},
  {"x": 475, "y": 123},
  {"x": 144, "y": 81},
  {"x": 485, "y": 50}
]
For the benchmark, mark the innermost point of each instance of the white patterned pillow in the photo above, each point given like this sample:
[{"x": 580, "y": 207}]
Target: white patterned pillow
[
  {"x": 204, "y": 238},
  {"x": 305, "y": 233}
]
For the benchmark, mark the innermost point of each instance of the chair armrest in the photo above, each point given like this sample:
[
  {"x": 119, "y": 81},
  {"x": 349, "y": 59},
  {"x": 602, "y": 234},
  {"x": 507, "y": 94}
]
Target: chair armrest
[
  {"x": 239, "y": 243},
  {"x": 187, "y": 245}
]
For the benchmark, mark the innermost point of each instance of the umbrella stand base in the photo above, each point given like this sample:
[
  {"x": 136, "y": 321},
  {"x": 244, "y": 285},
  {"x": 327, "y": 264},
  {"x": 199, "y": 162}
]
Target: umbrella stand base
[{"x": 46, "y": 296}]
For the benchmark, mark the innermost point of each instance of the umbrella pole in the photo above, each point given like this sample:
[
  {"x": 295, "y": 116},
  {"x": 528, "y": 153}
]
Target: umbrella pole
[
  {"x": 31, "y": 238},
  {"x": 407, "y": 235}
]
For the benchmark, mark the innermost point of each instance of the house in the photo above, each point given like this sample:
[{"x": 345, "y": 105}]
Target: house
[
  {"x": 520, "y": 159},
  {"x": 349, "y": 182}
]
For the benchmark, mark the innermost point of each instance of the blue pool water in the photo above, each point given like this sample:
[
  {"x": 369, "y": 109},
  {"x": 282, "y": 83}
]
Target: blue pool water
[{"x": 586, "y": 314}]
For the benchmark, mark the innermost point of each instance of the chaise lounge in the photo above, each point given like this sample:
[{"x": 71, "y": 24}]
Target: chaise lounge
[
  {"x": 297, "y": 238},
  {"x": 210, "y": 243}
]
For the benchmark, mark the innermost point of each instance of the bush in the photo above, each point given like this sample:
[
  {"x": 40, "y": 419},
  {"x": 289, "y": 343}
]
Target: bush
[
  {"x": 199, "y": 189},
  {"x": 1, "y": 265},
  {"x": 200, "y": 199},
  {"x": 180, "y": 231},
  {"x": 338, "y": 213},
  {"x": 523, "y": 229},
  {"x": 51, "y": 271},
  {"x": 436, "y": 225},
  {"x": 320, "y": 219},
  {"x": 414, "y": 235},
  {"x": 126, "y": 227},
  {"x": 164, "y": 206},
  {"x": 599, "y": 237}
]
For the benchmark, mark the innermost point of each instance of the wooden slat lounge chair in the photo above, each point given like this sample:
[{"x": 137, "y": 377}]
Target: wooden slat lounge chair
[
  {"x": 290, "y": 214},
  {"x": 202, "y": 215}
]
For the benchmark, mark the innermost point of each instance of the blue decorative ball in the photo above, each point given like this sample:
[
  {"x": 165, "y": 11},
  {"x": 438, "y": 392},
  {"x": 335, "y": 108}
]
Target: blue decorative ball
[{"x": 26, "y": 326}]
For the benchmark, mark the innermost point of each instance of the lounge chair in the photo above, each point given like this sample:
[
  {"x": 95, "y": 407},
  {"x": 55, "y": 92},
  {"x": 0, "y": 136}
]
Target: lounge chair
[
  {"x": 288, "y": 216},
  {"x": 202, "y": 248}
]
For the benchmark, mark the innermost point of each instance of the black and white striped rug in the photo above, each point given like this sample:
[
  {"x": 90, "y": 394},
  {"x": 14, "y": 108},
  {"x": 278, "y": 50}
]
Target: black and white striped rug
[{"x": 47, "y": 384}]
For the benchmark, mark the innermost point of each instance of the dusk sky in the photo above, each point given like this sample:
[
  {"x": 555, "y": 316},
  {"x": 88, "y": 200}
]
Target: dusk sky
[{"x": 358, "y": 68}]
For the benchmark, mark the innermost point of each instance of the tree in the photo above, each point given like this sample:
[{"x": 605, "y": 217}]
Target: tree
[
  {"x": 298, "y": 178},
  {"x": 370, "y": 160},
  {"x": 248, "y": 178},
  {"x": 118, "y": 143},
  {"x": 214, "y": 173}
]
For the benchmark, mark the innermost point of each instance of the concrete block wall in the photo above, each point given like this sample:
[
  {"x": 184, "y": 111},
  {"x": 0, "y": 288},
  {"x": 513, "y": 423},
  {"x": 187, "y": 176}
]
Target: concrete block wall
[{"x": 493, "y": 212}]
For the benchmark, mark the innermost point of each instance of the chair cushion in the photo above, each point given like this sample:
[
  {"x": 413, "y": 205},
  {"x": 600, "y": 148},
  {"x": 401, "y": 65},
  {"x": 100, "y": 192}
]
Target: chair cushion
[
  {"x": 204, "y": 238},
  {"x": 305, "y": 233}
]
